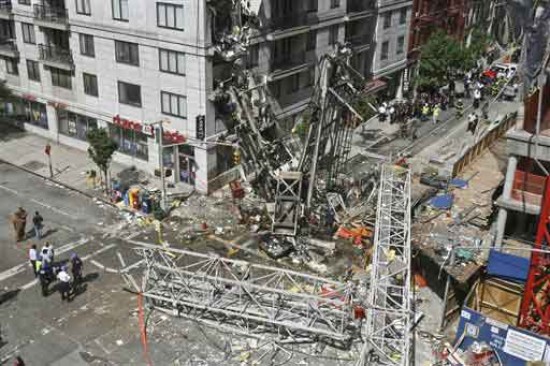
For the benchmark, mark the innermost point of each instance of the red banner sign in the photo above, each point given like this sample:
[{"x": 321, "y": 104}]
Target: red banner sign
[{"x": 128, "y": 124}]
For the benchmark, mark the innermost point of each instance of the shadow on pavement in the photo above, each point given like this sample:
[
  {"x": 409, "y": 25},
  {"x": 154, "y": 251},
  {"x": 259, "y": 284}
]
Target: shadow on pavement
[
  {"x": 10, "y": 131},
  {"x": 8, "y": 295}
]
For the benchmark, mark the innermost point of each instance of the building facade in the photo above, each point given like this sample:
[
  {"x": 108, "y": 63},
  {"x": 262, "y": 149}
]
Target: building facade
[
  {"x": 392, "y": 31},
  {"x": 124, "y": 65}
]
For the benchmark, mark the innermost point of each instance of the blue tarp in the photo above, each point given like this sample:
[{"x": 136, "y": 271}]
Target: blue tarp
[
  {"x": 515, "y": 346},
  {"x": 459, "y": 183},
  {"x": 443, "y": 202},
  {"x": 507, "y": 266}
]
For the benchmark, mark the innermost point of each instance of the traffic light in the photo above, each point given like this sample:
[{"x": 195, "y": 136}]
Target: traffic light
[{"x": 236, "y": 157}]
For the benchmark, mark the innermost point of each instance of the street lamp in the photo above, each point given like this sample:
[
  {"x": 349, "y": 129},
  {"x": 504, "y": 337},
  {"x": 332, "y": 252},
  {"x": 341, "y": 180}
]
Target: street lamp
[{"x": 161, "y": 160}]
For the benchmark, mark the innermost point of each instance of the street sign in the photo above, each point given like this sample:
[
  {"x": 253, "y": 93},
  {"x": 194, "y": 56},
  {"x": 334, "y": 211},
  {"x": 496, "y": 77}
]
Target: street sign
[{"x": 201, "y": 127}]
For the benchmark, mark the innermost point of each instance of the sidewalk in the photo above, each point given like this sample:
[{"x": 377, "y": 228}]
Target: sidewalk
[{"x": 26, "y": 150}]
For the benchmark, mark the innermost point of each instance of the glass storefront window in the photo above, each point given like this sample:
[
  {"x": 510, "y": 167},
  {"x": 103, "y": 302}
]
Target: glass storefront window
[
  {"x": 130, "y": 142},
  {"x": 75, "y": 125},
  {"x": 27, "y": 111}
]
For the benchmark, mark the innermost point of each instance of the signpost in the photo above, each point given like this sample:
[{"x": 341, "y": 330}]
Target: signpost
[{"x": 48, "y": 152}]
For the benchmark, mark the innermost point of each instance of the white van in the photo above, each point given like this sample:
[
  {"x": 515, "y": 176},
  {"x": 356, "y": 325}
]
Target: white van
[{"x": 505, "y": 70}]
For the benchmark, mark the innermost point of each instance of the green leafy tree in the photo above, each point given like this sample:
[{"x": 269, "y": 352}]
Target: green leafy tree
[
  {"x": 101, "y": 150},
  {"x": 439, "y": 57},
  {"x": 478, "y": 42},
  {"x": 6, "y": 94}
]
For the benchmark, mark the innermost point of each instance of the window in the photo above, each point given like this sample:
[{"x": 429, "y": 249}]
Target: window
[
  {"x": 307, "y": 78},
  {"x": 403, "y": 16},
  {"x": 253, "y": 59},
  {"x": 387, "y": 20},
  {"x": 293, "y": 83},
  {"x": 75, "y": 125},
  {"x": 90, "y": 84},
  {"x": 312, "y": 6},
  {"x": 11, "y": 66},
  {"x": 127, "y": 53},
  {"x": 24, "y": 2},
  {"x": 311, "y": 42},
  {"x": 172, "y": 61},
  {"x": 170, "y": 16},
  {"x": 120, "y": 10},
  {"x": 173, "y": 104},
  {"x": 385, "y": 50},
  {"x": 130, "y": 142},
  {"x": 28, "y": 33},
  {"x": 61, "y": 78},
  {"x": 334, "y": 4},
  {"x": 33, "y": 70},
  {"x": 129, "y": 94},
  {"x": 87, "y": 45},
  {"x": 400, "y": 45},
  {"x": 333, "y": 34},
  {"x": 83, "y": 7}
]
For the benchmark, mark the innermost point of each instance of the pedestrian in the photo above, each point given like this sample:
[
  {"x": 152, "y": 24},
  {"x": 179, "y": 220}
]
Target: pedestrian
[
  {"x": 459, "y": 105},
  {"x": 76, "y": 269},
  {"x": 382, "y": 110},
  {"x": 19, "y": 221},
  {"x": 43, "y": 276},
  {"x": 18, "y": 361},
  {"x": 477, "y": 98},
  {"x": 391, "y": 113},
  {"x": 472, "y": 117},
  {"x": 435, "y": 113},
  {"x": 33, "y": 257},
  {"x": 425, "y": 111},
  {"x": 47, "y": 253},
  {"x": 37, "y": 223},
  {"x": 64, "y": 284}
]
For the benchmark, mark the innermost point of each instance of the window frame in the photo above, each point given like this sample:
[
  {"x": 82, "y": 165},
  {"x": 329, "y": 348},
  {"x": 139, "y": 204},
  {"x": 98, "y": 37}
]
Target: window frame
[
  {"x": 35, "y": 70},
  {"x": 311, "y": 40},
  {"x": 177, "y": 54},
  {"x": 119, "y": 84},
  {"x": 84, "y": 8},
  {"x": 174, "y": 7},
  {"x": 387, "y": 20},
  {"x": 14, "y": 69},
  {"x": 170, "y": 95},
  {"x": 87, "y": 89},
  {"x": 403, "y": 16},
  {"x": 56, "y": 74},
  {"x": 334, "y": 4},
  {"x": 24, "y": 2},
  {"x": 27, "y": 29},
  {"x": 130, "y": 45},
  {"x": 119, "y": 3},
  {"x": 333, "y": 34},
  {"x": 384, "y": 57},
  {"x": 81, "y": 40},
  {"x": 400, "y": 49}
]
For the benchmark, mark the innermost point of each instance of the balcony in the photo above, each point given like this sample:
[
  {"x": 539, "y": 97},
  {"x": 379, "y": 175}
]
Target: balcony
[
  {"x": 8, "y": 48},
  {"x": 6, "y": 10},
  {"x": 51, "y": 17},
  {"x": 57, "y": 57}
]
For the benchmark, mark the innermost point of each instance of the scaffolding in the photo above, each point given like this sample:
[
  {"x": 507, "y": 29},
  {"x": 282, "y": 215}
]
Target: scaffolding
[
  {"x": 388, "y": 325},
  {"x": 250, "y": 298}
]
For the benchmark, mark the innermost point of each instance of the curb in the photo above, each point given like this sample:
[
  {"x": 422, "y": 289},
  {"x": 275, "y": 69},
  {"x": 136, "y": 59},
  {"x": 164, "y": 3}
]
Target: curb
[{"x": 69, "y": 187}]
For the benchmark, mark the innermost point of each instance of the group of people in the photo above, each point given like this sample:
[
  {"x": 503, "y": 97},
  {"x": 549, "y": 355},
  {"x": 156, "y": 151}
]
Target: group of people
[
  {"x": 19, "y": 222},
  {"x": 47, "y": 271},
  {"x": 423, "y": 107}
]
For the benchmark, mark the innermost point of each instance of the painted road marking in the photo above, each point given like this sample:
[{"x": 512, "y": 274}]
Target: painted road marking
[
  {"x": 61, "y": 212},
  {"x": 21, "y": 267}
]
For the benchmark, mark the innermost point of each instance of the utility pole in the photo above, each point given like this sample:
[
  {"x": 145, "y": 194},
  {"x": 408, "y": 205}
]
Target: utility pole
[{"x": 161, "y": 161}]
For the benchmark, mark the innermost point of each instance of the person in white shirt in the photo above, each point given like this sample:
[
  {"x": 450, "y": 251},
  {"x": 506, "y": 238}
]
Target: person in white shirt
[
  {"x": 64, "y": 284},
  {"x": 47, "y": 253},
  {"x": 33, "y": 257}
]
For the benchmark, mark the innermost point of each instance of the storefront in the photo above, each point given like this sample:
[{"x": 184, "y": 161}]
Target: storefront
[
  {"x": 28, "y": 111},
  {"x": 75, "y": 125},
  {"x": 187, "y": 165},
  {"x": 131, "y": 137}
]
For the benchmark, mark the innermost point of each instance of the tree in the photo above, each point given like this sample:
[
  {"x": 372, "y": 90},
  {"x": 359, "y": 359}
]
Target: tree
[
  {"x": 101, "y": 149},
  {"x": 439, "y": 57},
  {"x": 6, "y": 94}
]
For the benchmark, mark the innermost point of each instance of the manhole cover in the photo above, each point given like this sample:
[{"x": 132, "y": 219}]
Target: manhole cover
[{"x": 33, "y": 165}]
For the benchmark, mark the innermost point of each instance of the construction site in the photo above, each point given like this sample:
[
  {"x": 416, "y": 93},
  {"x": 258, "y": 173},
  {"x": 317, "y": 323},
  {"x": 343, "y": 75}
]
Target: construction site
[{"x": 321, "y": 252}]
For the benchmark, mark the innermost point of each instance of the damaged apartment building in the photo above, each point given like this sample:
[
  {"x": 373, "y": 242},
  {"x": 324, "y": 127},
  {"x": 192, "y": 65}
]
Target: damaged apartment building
[{"x": 80, "y": 65}]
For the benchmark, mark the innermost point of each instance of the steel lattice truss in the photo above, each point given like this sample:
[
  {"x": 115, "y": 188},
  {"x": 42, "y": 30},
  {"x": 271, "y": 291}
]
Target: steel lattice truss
[
  {"x": 246, "y": 295},
  {"x": 388, "y": 325}
]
